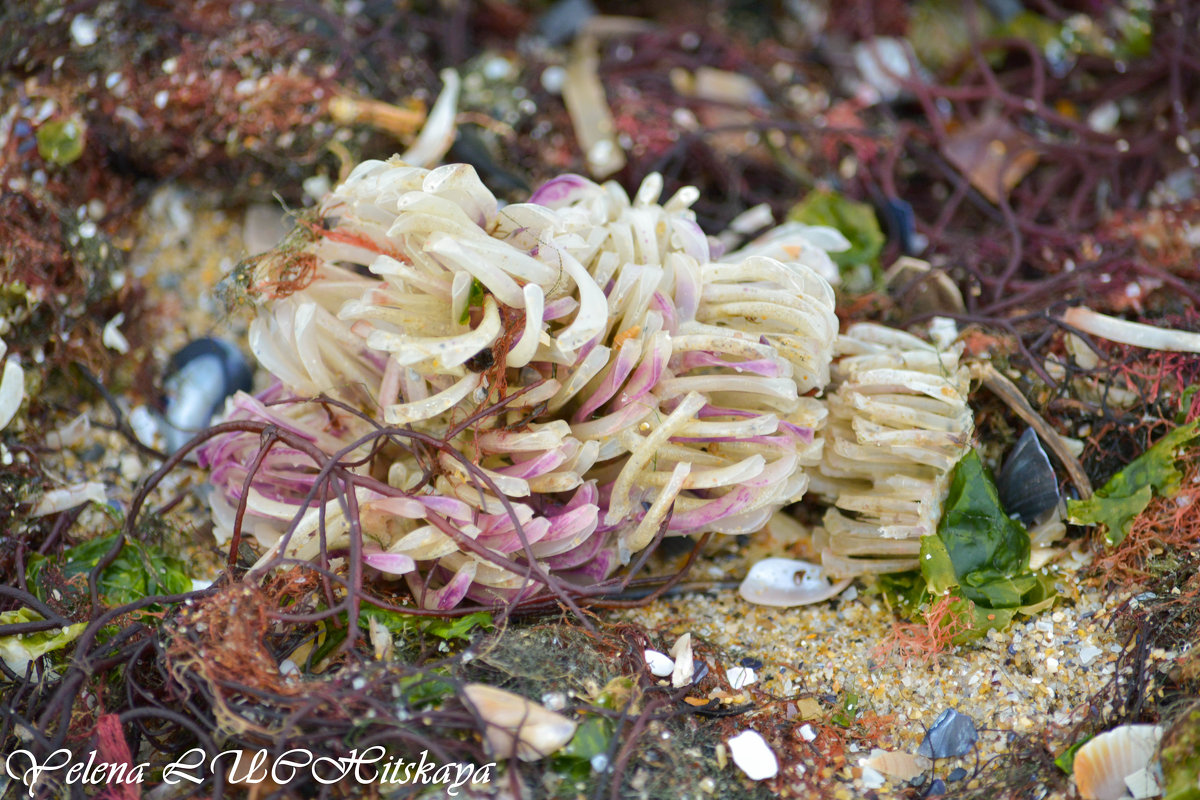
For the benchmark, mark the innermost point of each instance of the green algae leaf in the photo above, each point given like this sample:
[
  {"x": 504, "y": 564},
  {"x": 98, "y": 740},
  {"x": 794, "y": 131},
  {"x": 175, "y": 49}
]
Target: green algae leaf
[
  {"x": 1135, "y": 28},
  {"x": 855, "y": 220},
  {"x": 445, "y": 628},
  {"x": 1040, "y": 31},
  {"x": 60, "y": 141},
  {"x": 1118, "y": 502},
  {"x": 592, "y": 738},
  {"x": 17, "y": 651},
  {"x": 849, "y": 710},
  {"x": 1116, "y": 514},
  {"x": 989, "y": 550},
  {"x": 474, "y": 300},
  {"x": 139, "y": 570},
  {"x": 980, "y": 556},
  {"x": 1066, "y": 760}
]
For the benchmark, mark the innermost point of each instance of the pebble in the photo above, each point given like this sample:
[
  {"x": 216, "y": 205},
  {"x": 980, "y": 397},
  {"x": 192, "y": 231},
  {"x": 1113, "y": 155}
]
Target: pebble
[
  {"x": 1089, "y": 654},
  {"x": 84, "y": 30},
  {"x": 952, "y": 734},
  {"x": 661, "y": 665},
  {"x": 753, "y": 756}
]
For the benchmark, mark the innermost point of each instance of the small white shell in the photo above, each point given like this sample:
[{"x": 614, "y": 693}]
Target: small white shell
[
  {"x": 515, "y": 724},
  {"x": 684, "y": 669},
  {"x": 872, "y": 778},
  {"x": 753, "y": 756},
  {"x": 784, "y": 582},
  {"x": 76, "y": 494},
  {"x": 1103, "y": 764},
  {"x": 904, "y": 766},
  {"x": 661, "y": 665},
  {"x": 740, "y": 677},
  {"x": 12, "y": 389}
]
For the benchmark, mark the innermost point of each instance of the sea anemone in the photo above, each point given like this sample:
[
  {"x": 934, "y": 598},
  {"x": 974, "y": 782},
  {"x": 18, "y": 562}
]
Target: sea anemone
[
  {"x": 898, "y": 423},
  {"x": 595, "y": 375}
]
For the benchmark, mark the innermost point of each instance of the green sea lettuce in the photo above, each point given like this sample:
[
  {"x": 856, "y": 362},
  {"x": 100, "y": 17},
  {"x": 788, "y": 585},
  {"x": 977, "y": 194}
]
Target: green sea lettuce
[
  {"x": 17, "y": 651},
  {"x": 980, "y": 556},
  {"x": 1118, "y": 502}
]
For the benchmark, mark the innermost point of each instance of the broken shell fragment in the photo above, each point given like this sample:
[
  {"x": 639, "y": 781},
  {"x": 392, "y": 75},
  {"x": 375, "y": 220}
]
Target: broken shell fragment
[
  {"x": 67, "y": 497},
  {"x": 784, "y": 582},
  {"x": 753, "y": 756},
  {"x": 660, "y": 664},
  {"x": 740, "y": 677},
  {"x": 1103, "y": 764},
  {"x": 685, "y": 668},
  {"x": 12, "y": 388},
  {"x": 1133, "y": 333},
  {"x": 517, "y": 725},
  {"x": 896, "y": 764}
]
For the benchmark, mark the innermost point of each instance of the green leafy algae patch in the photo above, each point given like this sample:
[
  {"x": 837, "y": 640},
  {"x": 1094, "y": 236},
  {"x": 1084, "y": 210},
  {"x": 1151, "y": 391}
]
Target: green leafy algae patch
[
  {"x": 979, "y": 557},
  {"x": 1118, "y": 502}
]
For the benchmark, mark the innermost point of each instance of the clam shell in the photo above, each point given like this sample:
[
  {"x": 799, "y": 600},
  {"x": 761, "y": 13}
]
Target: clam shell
[
  {"x": 1103, "y": 764},
  {"x": 517, "y": 725},
  {"x": 784, "y": 582}
]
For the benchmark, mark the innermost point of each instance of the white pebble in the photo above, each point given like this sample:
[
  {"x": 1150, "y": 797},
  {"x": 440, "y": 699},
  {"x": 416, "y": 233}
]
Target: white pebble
[
  {"x": 553, "y": 79},
  {"x": 661, "y": 665},
  {"x": 1088, "y": 654},
  {"x": 112, "y": 337},
  {"x": 83, "y": 30},
  {"x": 753, "y": 756},
  {"x": 807, "y": 733}
]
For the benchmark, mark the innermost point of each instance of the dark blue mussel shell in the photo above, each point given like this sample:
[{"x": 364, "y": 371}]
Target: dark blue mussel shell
[
  {"x": 1027, "y": 484},
  {"x": 199, "y": 379}
]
